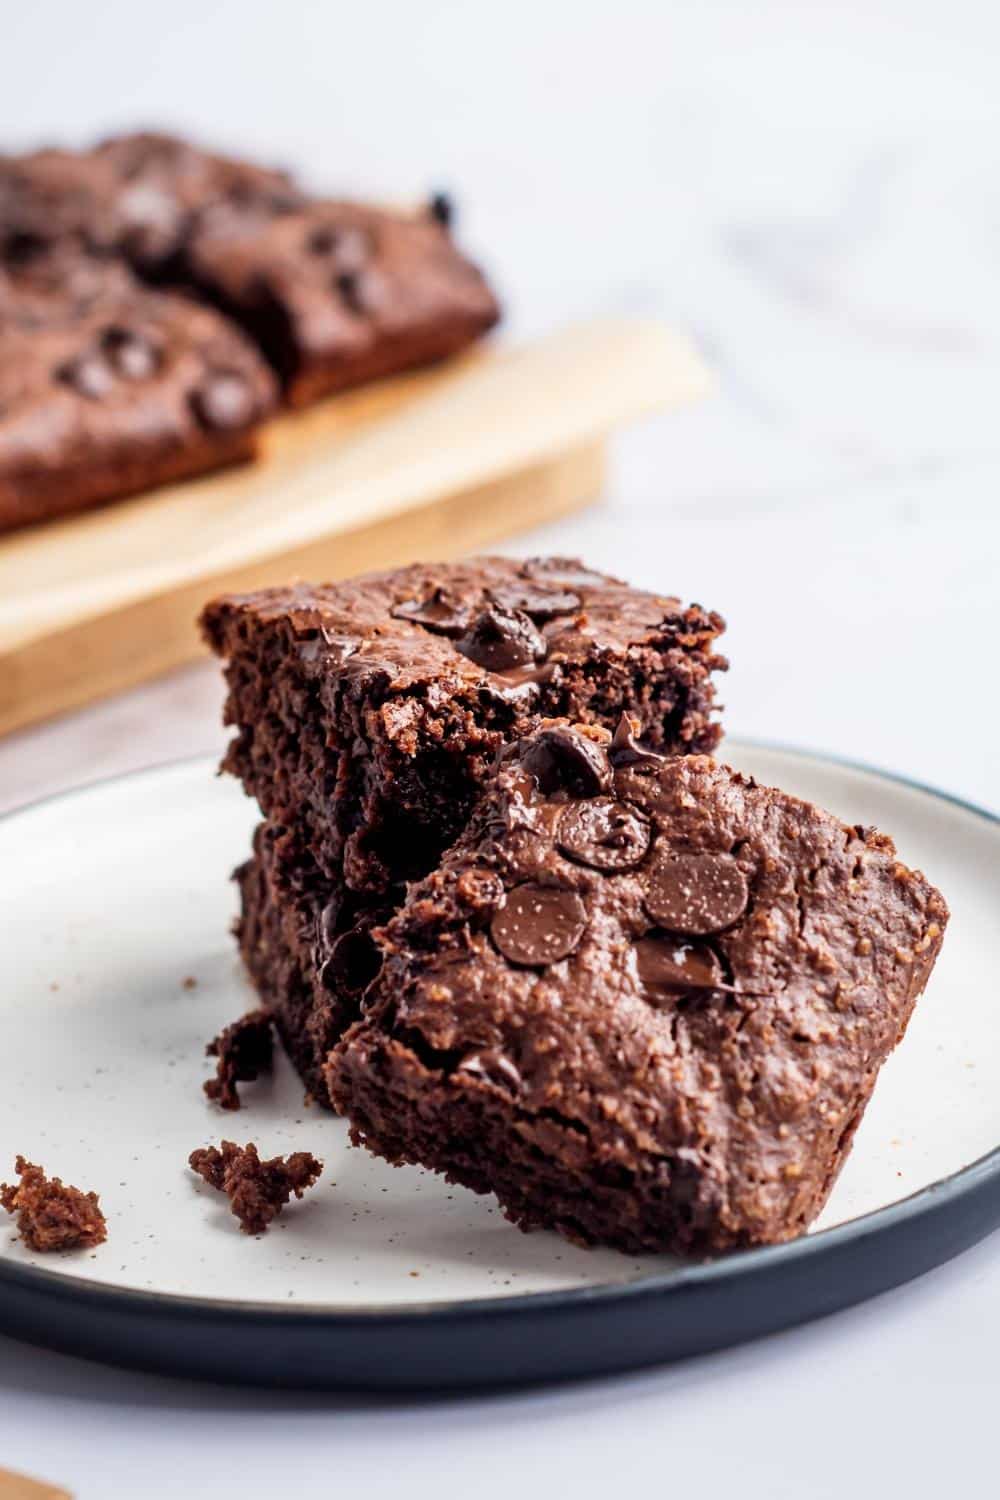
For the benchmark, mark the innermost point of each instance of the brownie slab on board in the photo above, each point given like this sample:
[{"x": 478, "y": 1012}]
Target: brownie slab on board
[
  {"x": 368, "y": 712},
  {"x": 644, "y": 1001},
  {"x": 108, "y": 388},
  {"x": 341, "y": 293}
]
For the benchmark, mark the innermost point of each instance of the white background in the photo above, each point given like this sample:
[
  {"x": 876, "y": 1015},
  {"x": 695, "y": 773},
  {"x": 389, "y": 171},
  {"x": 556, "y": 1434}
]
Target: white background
[{"x": 813, "y": 191}]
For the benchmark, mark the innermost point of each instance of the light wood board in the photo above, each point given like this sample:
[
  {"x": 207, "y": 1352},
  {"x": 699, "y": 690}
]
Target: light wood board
[{"x": 432, "y": 465}]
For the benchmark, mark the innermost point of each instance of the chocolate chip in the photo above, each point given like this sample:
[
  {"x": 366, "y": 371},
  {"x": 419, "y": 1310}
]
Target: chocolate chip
[
  {"x": 130, "y": 354},
  {"x": 668, "y": 967},
  {"x": 347, "y": 245},
  {"x": 696, "y": 893},
  {"x": 500, "y": 638},
  {"x": 493, "y": 1065},
  {"x": 605, "y": 834},
  {"x": 322, "y": 240},
  {"x": 353, "y": 963},
  {"x": 350, "y": 287},
  {"x": 442, "y": 208},
  {"x": 223, "y": 401},
  {"x": 538, "y": 924},
  {"x": 438, "y": 612},
  {"x": 540, "y": 604},
  {"x": 88, "y": 374},
  {"x": 626, "y": 749},
  {"x": 561, "y": 758}
]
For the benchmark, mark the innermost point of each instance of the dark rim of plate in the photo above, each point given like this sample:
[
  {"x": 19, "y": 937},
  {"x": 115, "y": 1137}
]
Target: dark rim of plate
[{"x": 976, "y": 1177}]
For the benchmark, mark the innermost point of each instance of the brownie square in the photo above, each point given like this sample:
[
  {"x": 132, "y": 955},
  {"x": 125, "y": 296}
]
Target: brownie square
[
  {"x": 341, "y": 293},
  {"x": 107, "y": 388},
  {"x": 644, "y": 1001},
  {"x": 368, "y": 712}
]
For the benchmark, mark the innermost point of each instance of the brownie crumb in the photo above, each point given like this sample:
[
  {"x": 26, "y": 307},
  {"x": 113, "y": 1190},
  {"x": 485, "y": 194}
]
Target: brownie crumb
[
  {"x": 244, "y": 1051},
  {"x": 257, "y": 1190},
  {"x": 50, "y": 1215}
]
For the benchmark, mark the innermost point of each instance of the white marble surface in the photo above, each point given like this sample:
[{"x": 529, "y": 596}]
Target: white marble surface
[{"x": 814, "y": 191}]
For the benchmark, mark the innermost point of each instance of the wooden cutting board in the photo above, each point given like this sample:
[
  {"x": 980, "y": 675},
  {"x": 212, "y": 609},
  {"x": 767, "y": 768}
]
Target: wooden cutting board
[{"x": 430, "y": 465}]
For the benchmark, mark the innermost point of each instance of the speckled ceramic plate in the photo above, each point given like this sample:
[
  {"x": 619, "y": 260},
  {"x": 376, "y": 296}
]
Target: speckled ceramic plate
[{"x": 118, "y": 966}]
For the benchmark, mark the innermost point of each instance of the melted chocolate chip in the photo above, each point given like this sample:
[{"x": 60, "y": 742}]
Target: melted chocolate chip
[
  {"x": 223, "y": 401},
  {"x": 538, "y": 924},
  {"x": 438, "y": 613},
  {"x": 130, "y": 354},
  {"x": 328, "y": 647},
  {"x": 668, "y": 968},
  {"x": 353, "y": 962},
  {"x": 605, "y": 834},
  {"x": 500, "y": 638},
  {"x": 88, "y": 374},
  {"x": 696, "y": 894},
  {"x": 442, "y": 208},
  {"x": 493, "y": 1065},
  {"x": 540, "y": 604},
  {"x": 626, "y": 749},
  {"x": 561, "y": 758}
]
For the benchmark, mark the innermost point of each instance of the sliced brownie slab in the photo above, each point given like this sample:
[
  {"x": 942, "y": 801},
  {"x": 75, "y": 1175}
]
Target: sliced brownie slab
[
  {"x": 643, "y": 1001},
  {"x": 368, "y": 712}
]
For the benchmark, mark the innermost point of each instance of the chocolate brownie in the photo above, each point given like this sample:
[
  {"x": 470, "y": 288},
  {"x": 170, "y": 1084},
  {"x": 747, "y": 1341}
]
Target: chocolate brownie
[
  {"x": 55, "y": 197},
  {"x": 644, "y": 1001},
  {"x": 310, "y": 953},
  {"x": 165, "y": 188},
  {"x": 51, "y": 1215},
  {"x": 257, "y": 1190},
  {"x": 114, "y": 389},
  {"x": 138, "y": 195},
  {"x": 368, "y": 712},
  {"x": 341, "y": 293}
]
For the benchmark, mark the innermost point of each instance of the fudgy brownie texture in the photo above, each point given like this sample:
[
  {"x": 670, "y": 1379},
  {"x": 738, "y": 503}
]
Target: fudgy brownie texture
[
  {"x": 310, "y": 953},
  {"x": 644, "y": 1001},
  {"x": 244, "y": 1050},
  {"x": 340, "y": 293},
  {"x": 257, "y": 1190},
  {"x": 368, "y": 712},
  {"x": 50, "y": 1214},
  {"x": 110, "y": 388}
]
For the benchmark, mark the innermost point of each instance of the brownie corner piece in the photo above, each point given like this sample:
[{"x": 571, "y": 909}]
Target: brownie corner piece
[
  {"x": 340, "y": 293},
  {"x": 367, "y": 713},
  {"x": 643, "y": 1000},
  {"x": 107, "y": 388}
]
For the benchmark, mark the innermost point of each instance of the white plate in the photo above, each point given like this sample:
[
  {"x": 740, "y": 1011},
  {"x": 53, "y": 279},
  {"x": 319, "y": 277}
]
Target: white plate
[{"x": 117, "y": 897}]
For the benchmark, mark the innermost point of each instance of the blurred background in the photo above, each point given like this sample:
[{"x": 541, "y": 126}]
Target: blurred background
[{"x": 811, "y": 190}]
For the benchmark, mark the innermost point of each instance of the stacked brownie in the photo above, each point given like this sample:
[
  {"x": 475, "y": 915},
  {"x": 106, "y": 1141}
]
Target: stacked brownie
[
  {"x": 237, "y": 286},
  {"x": 515, "y": 923}
]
